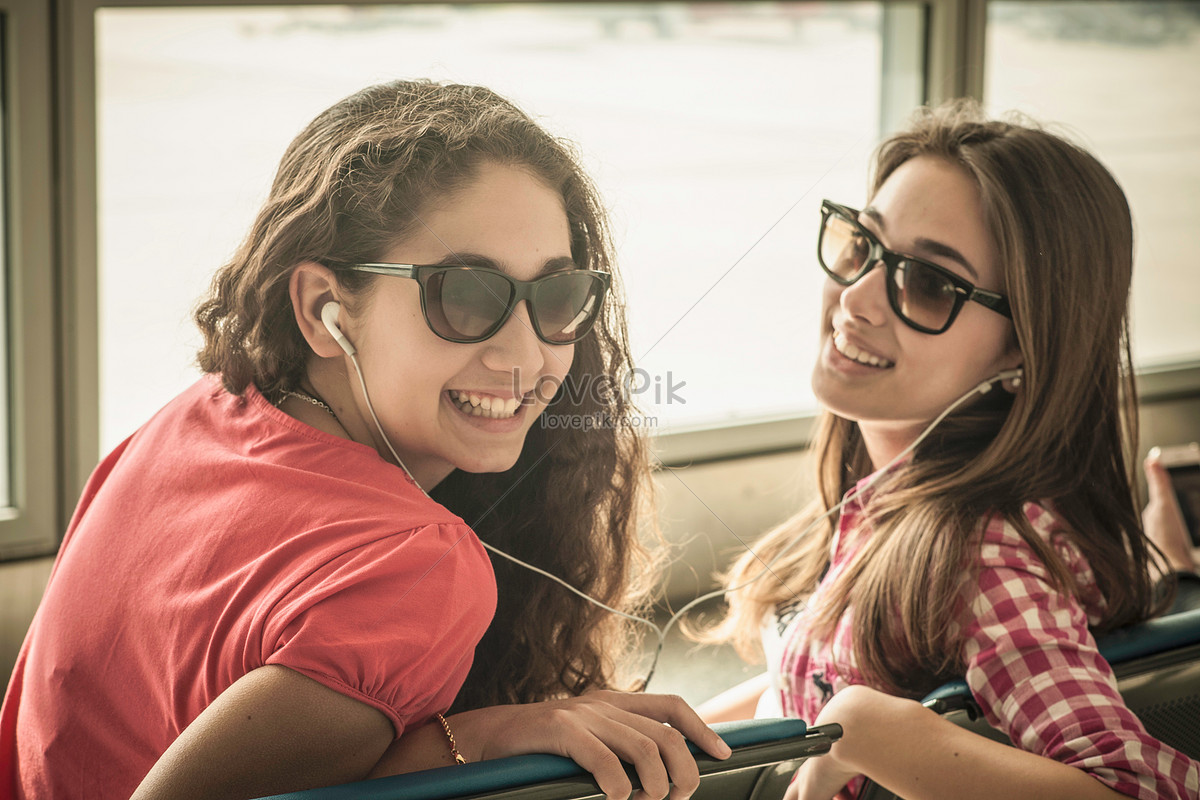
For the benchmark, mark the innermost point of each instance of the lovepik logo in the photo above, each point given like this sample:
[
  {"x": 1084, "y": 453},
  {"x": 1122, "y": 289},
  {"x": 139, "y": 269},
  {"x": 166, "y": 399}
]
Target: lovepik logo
[{"x": 601, "y": 389}]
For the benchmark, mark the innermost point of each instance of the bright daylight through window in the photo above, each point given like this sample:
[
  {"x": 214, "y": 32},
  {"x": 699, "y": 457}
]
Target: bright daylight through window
[
  {"x": 1124, "y": 79},
  {"x": 713, "y": 132}
]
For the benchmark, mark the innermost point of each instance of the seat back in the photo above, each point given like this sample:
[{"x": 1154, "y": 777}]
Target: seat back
[
  {"x": 766, "y": 753},
  {"x": 1157, "y": 665}
]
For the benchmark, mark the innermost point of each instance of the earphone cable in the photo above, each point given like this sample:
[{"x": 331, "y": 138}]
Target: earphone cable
[
  {"x": 661, "y": 633},
  {"x": 496, "y": 550}
]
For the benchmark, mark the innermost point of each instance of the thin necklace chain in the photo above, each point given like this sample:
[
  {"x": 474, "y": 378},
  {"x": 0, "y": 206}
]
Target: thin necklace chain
[{"x": 309, "y": 399}]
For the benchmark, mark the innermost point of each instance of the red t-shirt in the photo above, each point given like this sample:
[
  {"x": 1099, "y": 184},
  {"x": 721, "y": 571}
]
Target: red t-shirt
[{"x": 221, "y": 537}]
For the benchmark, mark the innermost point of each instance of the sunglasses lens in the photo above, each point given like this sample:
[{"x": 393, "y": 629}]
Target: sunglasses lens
[
  {"x": 924, "y": 295},
  {"x": 844, "y": 250},
  {"x": 464, "y": 303},
  {"x": 566, "y": 304}
]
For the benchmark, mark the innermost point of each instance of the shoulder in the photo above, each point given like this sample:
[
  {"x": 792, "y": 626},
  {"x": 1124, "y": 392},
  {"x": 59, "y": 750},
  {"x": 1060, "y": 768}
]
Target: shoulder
[
  {"x": 269, "y": 462},
  {"x": 1006, "y": 549},
  {"x": 393, "y": 621},
  {"x": 420, "y": 562},
  {"x": 418, "y": 585},
  {"x": 1003, "y": 543},
  {"x": 1033, "y": 665},
  {"x": 1013, "y": 588}
]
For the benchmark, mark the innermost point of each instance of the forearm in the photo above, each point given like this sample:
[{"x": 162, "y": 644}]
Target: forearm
[
  {"x": 913, "y": 752},
  {"x": 425, "y": 747},
  {"x": 598, "y": 730},
  {"x": 479, "y": 735},
  {"x": 736, "y": 703}
]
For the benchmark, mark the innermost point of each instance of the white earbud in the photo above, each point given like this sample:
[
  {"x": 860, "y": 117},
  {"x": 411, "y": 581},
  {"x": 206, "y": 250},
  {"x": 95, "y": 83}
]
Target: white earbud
[
  {"x": 329, "y": 315},
  {"x": 1009, "y": 374}
]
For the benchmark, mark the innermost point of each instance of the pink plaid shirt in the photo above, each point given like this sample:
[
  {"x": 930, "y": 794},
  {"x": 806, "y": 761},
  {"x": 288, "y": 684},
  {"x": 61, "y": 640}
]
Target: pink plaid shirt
[{"x": 1032, "y": 663}]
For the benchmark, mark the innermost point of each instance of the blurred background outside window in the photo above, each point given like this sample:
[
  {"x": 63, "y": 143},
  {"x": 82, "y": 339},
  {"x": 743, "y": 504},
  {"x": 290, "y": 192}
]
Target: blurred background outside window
[{"x": 713, "y": 131}]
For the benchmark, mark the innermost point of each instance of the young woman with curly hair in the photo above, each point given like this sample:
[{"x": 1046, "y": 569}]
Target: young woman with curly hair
[{"x": 280, "y": 581}]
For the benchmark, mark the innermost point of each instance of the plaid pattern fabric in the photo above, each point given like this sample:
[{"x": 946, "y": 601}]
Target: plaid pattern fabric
[
  {"x": 1032, "y": 663},
  {"x": 1034, "y": 669}
]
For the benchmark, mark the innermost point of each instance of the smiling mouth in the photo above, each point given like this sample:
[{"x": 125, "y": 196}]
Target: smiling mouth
[
  {"x": 483, "y": 405},
  {"x": 850, "y": 351}
]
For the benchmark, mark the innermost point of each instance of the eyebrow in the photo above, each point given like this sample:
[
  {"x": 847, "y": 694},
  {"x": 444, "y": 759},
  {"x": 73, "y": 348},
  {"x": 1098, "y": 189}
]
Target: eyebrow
[
  {"x": 931, "y": 247},
  {"x": 476, "y": 260}
]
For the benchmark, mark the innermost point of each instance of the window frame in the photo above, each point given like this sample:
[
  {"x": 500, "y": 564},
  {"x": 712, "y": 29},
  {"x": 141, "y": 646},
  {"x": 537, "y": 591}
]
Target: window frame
[{"x": 30, "y": 524}]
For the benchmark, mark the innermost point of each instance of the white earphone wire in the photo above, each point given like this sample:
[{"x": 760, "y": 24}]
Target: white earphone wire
[
  {"x": 363, "y": 383},
  {"x": 982, "y": 388}
]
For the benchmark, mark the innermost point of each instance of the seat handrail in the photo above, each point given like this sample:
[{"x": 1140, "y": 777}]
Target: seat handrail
[
  {"x": 1151, "y": 637},
  {"x": 517, "y": 771}
]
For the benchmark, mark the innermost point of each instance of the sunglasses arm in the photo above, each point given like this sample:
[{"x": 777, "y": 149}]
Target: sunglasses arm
[
  {"x": 397, "y": 270},
  {"x": 996, "y": 302}
]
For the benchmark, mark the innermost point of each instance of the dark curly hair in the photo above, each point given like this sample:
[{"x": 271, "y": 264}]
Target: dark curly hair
[{"x": 349, "y": 188}]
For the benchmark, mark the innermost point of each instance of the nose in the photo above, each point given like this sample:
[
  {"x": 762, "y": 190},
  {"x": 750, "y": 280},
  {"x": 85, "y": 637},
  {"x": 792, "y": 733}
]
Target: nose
[
  {"x": 866, "y": 299},
  {"x": 516, "y": 347}
]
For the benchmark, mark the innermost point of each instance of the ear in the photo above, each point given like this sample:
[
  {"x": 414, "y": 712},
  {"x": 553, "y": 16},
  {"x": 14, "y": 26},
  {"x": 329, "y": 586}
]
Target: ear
[
  {"x": 1013, "y": 361},
  {"x": 311, "y": 286}
]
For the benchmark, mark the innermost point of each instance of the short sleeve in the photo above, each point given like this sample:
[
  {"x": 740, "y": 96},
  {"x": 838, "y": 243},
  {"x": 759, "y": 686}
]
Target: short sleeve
[
  {"x": 1035, "y": 670},
  {"x": 392, "y": 623}
]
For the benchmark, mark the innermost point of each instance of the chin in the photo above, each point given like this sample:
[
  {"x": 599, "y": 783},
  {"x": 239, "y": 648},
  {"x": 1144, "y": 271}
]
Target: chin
[
  {"x": 849, "y": 411},
  {"x": 497, "y": 463},
  {"x": 829, "y": 400}
]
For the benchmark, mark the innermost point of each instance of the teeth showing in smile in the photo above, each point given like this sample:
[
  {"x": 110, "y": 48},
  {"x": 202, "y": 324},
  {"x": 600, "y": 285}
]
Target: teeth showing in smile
[
  {"x": 854, "y": 354},
  {"x": 485, "y": 405}
]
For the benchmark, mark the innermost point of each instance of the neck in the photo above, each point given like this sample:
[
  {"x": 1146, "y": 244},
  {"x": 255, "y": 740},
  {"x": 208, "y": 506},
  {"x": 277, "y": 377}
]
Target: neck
[
  {"x": 326, "y": 378},
  {"x": 329, "y": 380},
  {"x": 885, "y": 441},
  {"x": 299, "y": 405}
]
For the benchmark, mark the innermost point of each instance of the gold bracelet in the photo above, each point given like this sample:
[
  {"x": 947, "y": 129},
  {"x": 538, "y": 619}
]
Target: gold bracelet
[{"x": 458, "y": 757}]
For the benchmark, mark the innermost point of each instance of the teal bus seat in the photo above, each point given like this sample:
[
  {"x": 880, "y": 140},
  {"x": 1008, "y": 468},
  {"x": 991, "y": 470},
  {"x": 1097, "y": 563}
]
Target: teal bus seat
[{"x": 766, "y": 753}]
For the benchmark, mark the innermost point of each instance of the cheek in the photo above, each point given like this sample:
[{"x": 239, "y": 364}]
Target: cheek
[
  {"x": 831, "y": 297},
  {"x": 558, "y": 363},
  {"x": 992, "y": 340},
  {"x": 960, "y": 363}
]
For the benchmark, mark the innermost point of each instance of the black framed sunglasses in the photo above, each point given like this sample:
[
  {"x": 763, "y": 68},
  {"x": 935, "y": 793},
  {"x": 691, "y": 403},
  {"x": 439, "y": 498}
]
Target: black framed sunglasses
[
  {"x": 467, "y": 304},
  {"x": 924, "y": 296}
]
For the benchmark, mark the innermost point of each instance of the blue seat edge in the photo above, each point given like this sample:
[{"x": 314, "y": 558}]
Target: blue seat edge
[
  {"x": 507, "y": 773},
  {"x": 1151, "y": 637}
]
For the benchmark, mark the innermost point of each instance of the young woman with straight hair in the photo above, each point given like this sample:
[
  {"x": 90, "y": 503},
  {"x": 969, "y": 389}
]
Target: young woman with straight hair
[{"x": 988, "y": 276}]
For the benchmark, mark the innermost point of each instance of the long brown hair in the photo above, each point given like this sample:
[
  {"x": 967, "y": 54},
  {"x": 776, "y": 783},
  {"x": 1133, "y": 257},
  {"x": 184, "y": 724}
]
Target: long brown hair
[
  {"x": 1063, "y": 233},
  {"x": 349, "y": 187}
]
